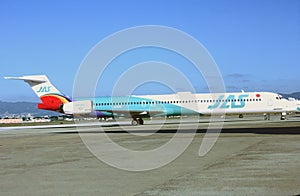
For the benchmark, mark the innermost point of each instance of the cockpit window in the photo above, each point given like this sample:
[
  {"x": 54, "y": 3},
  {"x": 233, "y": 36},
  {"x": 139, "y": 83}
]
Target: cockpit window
[{"x": 279, "y": 97}]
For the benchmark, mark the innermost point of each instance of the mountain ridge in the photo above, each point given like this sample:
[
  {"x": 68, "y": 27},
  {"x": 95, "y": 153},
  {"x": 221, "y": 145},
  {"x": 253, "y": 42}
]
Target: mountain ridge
[{"x": 22, "y": 108}]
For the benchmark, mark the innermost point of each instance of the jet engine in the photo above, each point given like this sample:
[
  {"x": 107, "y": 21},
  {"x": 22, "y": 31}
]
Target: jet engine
[{"x": 78, "y": 107}]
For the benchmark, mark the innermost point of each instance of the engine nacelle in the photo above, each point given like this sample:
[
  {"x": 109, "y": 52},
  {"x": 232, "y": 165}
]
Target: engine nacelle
[{"x": 78, "y": 107}]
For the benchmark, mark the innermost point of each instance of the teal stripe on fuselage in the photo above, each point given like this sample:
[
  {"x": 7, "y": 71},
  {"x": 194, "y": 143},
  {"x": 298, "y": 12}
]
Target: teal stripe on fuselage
[{"x": 130, "y": 103}]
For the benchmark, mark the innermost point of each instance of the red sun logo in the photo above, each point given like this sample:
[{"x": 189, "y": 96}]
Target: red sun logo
[{"x": 257, "y": 95}]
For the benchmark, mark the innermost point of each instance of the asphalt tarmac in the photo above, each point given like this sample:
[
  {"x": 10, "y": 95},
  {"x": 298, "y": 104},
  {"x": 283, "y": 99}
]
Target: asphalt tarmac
[{"x": 250, "y": 157}]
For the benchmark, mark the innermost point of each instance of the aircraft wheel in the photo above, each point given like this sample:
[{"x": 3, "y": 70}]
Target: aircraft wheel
[
  {"x": 140, "y": 121},
  {"x": 134, "y": 122},
  {"x": 283, "y": 116},
  {"x": 137, "y": 121},
  {"x": 266, "y": 116}
]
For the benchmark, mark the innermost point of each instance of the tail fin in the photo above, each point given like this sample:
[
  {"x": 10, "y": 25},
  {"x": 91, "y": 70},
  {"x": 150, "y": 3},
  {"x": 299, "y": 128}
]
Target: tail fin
[
  {"x": 40, "y": 84},
  {"x": 52, "y": 99}
]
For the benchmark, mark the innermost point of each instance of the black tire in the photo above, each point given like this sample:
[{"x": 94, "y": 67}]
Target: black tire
[
  {"x": 134, "y": 122},
  {"x": 282, "y": 118},
  {"x": 140, "y": 121}
]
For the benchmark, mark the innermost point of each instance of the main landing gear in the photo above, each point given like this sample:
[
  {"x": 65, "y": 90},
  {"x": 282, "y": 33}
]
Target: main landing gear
[{"x": 137, "y": 121}]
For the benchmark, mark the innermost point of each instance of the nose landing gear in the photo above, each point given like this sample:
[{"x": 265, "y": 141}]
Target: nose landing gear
[{"x": 283, "y": 116}]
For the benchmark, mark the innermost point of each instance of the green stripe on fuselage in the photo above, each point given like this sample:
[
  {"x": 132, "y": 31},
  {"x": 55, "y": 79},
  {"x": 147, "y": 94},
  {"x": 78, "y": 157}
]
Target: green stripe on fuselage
[{"x": 130, "y": 103}]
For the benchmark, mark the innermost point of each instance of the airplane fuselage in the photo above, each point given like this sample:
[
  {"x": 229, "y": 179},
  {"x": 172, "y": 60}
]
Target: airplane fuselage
[
  {"x": 189, "y": 104},
  {"x": 139, "y": 106}
]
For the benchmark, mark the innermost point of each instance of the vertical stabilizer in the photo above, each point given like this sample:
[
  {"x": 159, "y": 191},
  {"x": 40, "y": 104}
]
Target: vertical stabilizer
[
  {"x": 52, "y": 99},
  {"x": 40, "y": 84}
]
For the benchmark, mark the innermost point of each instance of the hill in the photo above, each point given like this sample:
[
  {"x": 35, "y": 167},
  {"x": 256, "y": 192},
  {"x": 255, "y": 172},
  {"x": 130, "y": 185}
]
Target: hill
[
  {"x": 294, "y": 95},
  {"x": 22, "y": 108}
]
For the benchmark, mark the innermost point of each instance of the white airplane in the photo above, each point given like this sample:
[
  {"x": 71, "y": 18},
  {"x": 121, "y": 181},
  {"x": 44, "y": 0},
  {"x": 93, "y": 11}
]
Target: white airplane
[{"x": 141, "y": 106}]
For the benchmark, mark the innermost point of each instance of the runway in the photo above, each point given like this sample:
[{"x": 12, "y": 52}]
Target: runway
[
  {"x": 232, "y": 124},
  {"x": 251, "y": 157}
]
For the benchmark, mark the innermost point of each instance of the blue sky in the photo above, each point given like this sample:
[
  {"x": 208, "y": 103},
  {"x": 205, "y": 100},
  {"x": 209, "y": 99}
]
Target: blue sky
[{"x": 256, "y": 44}]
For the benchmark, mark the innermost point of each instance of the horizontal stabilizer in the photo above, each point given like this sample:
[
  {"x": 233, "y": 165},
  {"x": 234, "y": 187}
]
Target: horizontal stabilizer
[{"x": 37, "y": 79}]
